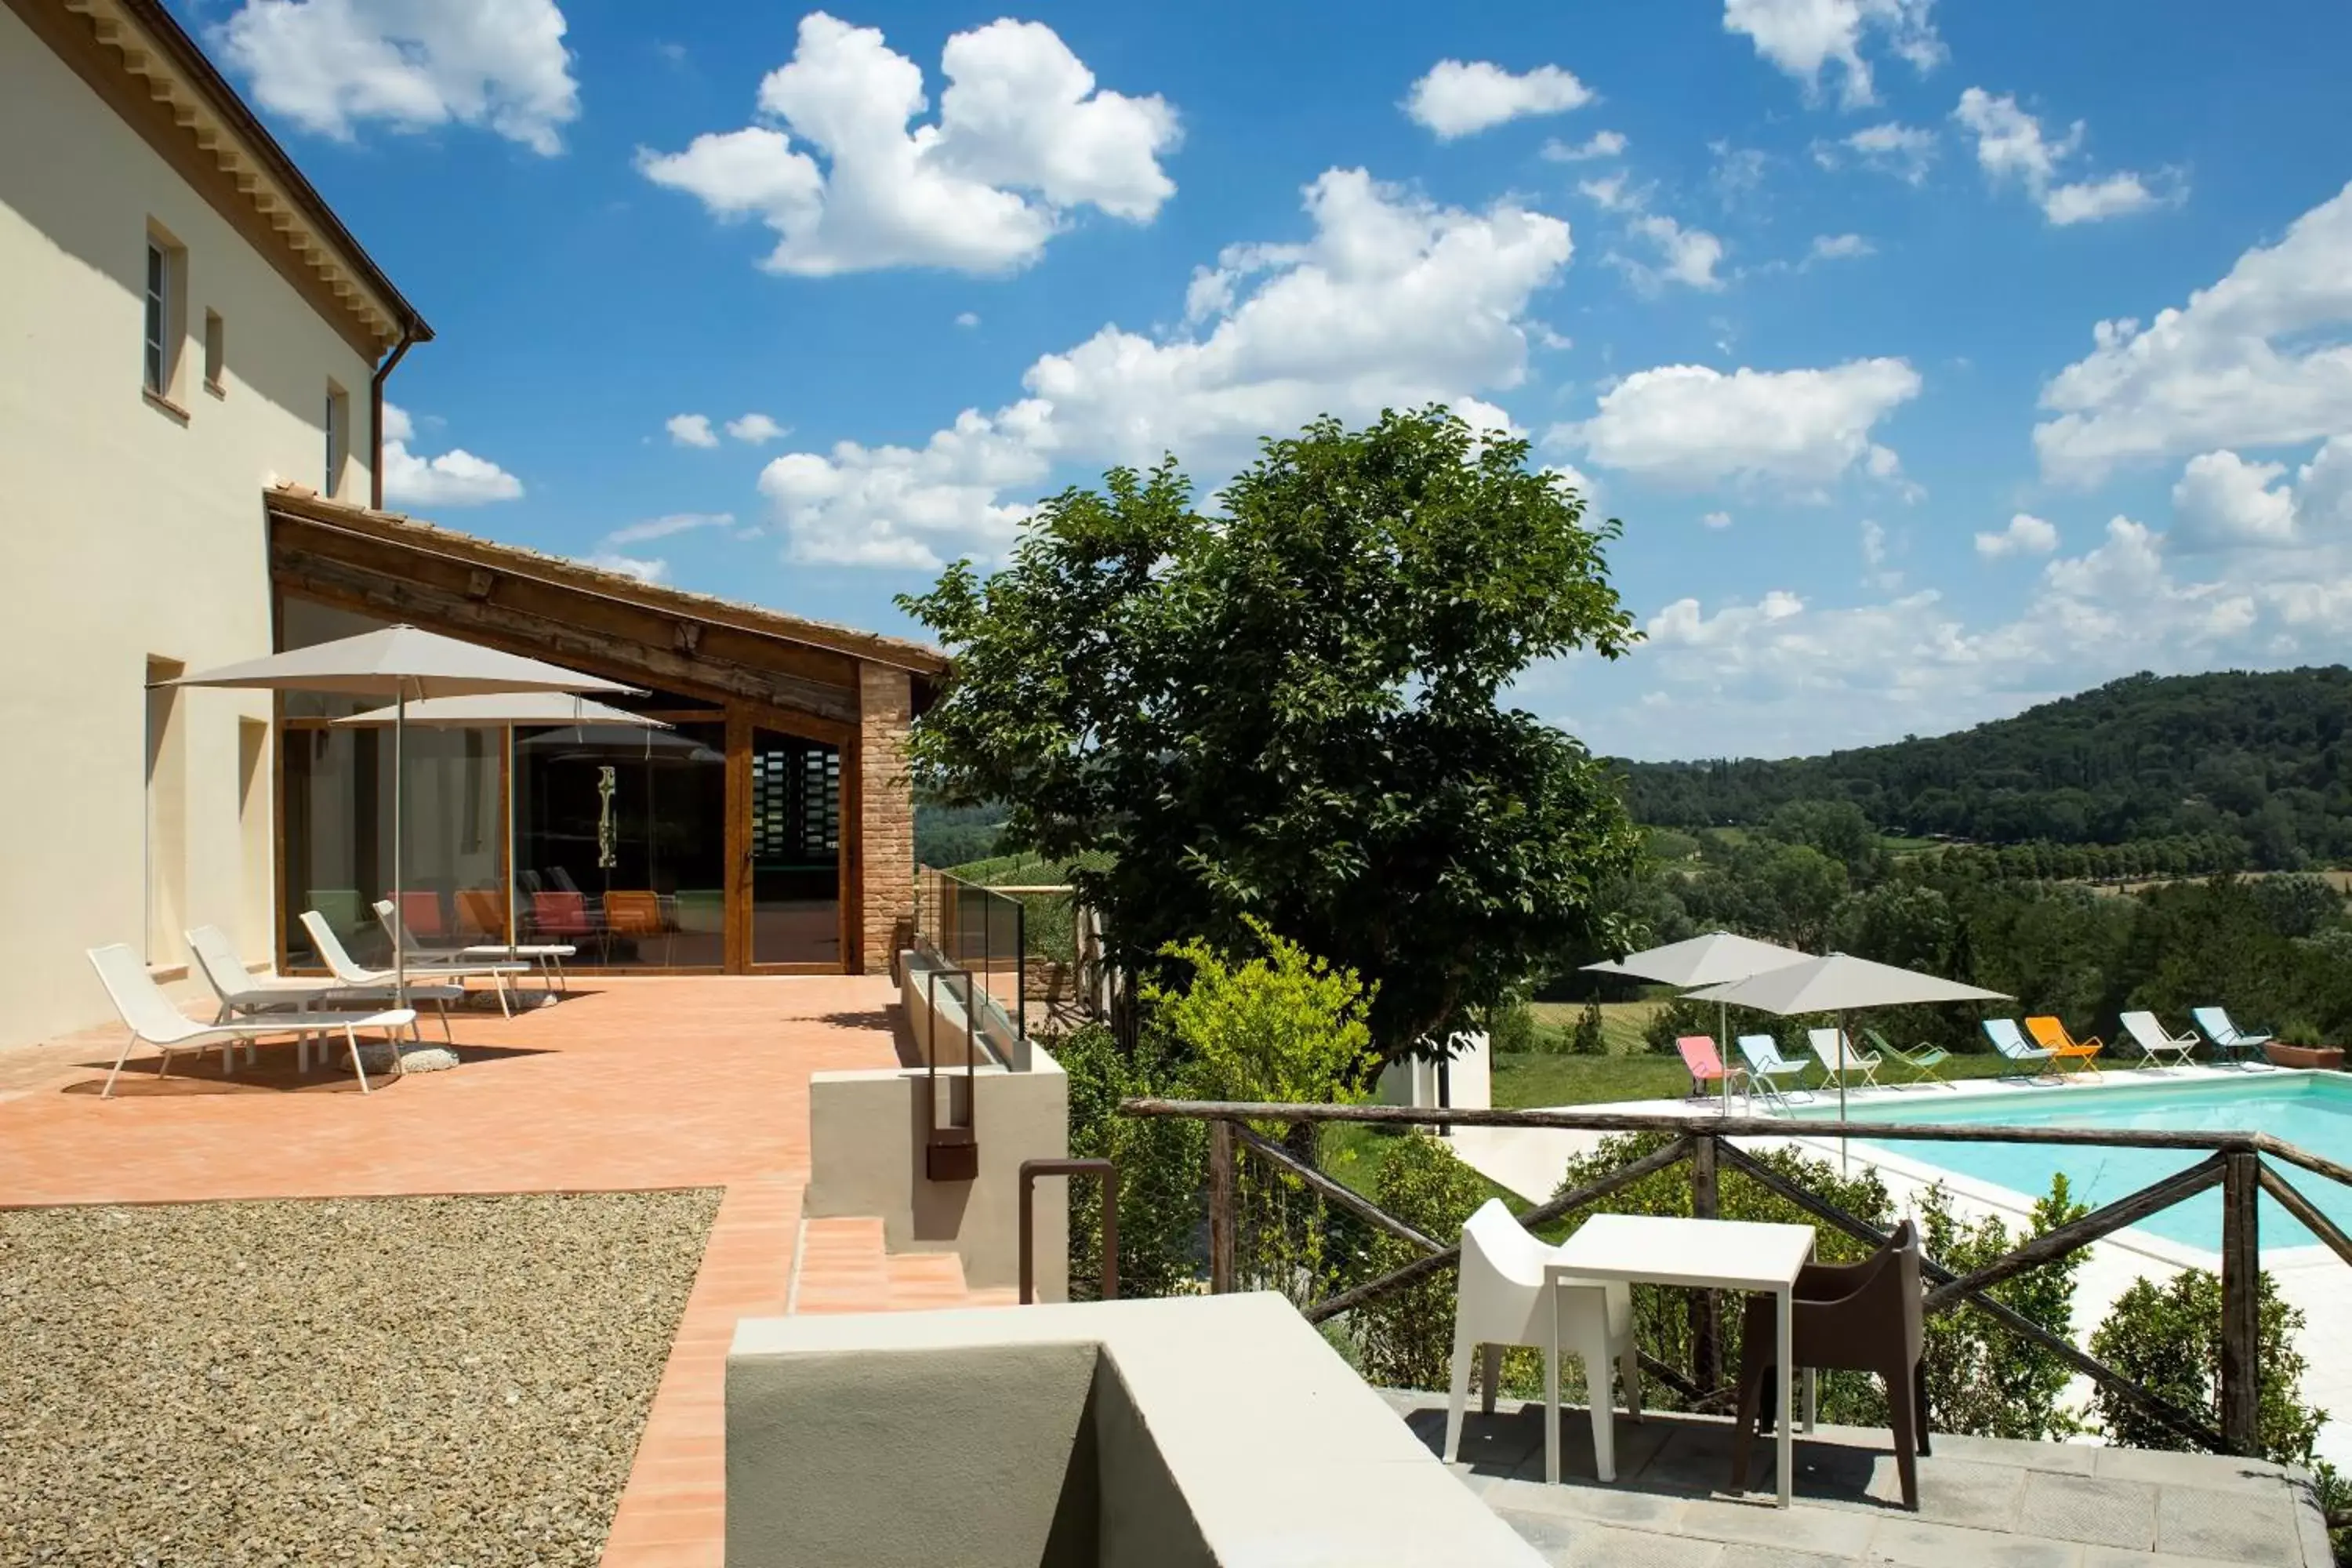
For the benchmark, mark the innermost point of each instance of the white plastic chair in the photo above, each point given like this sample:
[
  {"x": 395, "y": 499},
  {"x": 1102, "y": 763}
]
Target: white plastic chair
[
  {"x": 151, "y": 1019},
  {"x": 377, "y": 982},
  {"x": 2159, "y": 1044},
  {"x": 1833, "y": 1049},
  {"x": 1501, "y": 1302}
]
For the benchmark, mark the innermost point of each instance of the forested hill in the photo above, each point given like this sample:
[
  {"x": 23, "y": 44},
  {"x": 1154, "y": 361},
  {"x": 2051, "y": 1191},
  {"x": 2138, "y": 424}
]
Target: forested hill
[{"x": 2265, "y": 759}]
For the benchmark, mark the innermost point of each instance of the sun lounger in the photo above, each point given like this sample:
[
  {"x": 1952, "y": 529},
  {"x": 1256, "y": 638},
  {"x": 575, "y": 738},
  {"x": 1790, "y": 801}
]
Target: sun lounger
[
  {"x": 445, "y": 965},
  {"x": 1833, "y": 1049},
  {"x": 2011, "y": 1042},
  {"x": 2233, "y": 1043},
  {"x": 151, "y": 1019},
  {"x": 1768, "y": 1066},
  {"x": 2158, "y": 1045},
  {"x": 428, "y": 986},
  {"x": 2049, "y": 1033},
  {"x": 1706, "y": 1067},
  {"x": 245, "y": 995},
  {"x": 1923, "y": 1060}
]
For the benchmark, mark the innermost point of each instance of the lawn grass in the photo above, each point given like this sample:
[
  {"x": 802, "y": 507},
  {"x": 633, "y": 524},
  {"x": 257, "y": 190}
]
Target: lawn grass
[{"x": 1621, "y": 1022}]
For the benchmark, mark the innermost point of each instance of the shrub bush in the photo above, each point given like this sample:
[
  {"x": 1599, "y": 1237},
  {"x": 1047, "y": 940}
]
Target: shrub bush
[
  {"x": 1512, "y": 1029},
  {"x": 1405, "y": 1339},
  {"x": 1161, "y": 1161},
  {"x": 2167, "y": 1338},
  {"x": 1984, "y": 1379},
  {"x": 1674, "y": 1019},
  {"x": 1588, "y": 1038}
]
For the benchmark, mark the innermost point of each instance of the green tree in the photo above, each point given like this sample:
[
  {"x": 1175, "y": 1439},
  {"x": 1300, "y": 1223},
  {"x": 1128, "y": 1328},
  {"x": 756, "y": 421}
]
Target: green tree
[
  {"x": 2167, "y": 1338},
  {"x": 1292, "y": 712},
  {"x": 1286, "y": 1027},
  {"x": 1982, "y": 1378}
]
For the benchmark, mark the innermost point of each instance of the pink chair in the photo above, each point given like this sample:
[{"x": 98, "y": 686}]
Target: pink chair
[
  {"x": 559, "y": 915},
  {"x": 420, "y": 912},
  {"x": 1705, "y": 1064}
]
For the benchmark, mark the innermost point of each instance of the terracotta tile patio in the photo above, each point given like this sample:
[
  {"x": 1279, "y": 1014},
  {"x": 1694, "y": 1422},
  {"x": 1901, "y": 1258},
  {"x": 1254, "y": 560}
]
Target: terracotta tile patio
[{"x": 632, "y": 1083}]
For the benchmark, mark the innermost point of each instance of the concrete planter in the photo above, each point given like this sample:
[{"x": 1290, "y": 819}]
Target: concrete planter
[{"x": 2327, "y": 1058}]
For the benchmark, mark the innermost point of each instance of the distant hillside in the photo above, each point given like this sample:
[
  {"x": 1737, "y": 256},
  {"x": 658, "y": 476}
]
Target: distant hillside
[{"x": 2264, "y": 758}]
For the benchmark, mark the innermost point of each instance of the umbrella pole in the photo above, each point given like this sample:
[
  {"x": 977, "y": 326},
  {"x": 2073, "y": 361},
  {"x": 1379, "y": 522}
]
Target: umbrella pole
[
  {"x": 1722, "y": 1051},
  {"x": 1845, "y": 1159},
  {"x": 399, "y": 911}
]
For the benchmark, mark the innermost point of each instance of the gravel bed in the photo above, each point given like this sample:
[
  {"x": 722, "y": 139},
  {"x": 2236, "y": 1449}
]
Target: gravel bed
[{"x": 456, "y": 1383}]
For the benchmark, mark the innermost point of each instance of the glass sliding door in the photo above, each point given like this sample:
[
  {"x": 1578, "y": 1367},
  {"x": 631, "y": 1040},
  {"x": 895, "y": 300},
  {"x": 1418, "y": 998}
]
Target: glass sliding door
[
  {"x": 620, "y": 843},
  {"x": 792, "y": 850}
]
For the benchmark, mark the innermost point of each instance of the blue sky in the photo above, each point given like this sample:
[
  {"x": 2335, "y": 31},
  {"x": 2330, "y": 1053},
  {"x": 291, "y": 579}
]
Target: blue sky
[{"x": 792, "y": 306}]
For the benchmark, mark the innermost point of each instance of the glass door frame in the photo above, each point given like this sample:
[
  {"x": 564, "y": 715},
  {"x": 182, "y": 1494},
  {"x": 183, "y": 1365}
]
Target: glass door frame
[
  {"x": 742, "y": 719},
  {"x": 742, "y": 716}
]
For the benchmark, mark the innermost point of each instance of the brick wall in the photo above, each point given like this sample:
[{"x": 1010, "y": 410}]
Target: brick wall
[{"x": 886, "y": 813}]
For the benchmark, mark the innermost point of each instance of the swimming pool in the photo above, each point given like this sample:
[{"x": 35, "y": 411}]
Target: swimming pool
[{"x": 2312, "y": 1110}]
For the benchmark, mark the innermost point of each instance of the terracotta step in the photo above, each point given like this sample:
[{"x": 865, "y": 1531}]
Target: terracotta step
[{"x": 845, "y": 1267}]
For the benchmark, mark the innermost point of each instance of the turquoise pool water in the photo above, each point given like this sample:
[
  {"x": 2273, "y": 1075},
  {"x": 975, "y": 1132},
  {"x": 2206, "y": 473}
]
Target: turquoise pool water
[{"x": 2312, "y": 1110}]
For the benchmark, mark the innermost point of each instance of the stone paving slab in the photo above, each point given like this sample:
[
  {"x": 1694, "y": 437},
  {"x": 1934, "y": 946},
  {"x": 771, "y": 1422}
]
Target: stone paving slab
[{"x": 1983, "y": 1500}]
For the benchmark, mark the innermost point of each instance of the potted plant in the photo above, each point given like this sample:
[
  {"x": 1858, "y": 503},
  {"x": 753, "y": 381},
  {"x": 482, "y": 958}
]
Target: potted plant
[{"x": 2297, "y": 1046}]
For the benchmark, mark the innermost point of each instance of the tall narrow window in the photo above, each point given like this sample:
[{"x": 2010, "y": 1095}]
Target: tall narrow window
[
  {"x": 339, "y": 424},
  {"x": 159, "y": 318},
  {"x": 216, "y": 351}
]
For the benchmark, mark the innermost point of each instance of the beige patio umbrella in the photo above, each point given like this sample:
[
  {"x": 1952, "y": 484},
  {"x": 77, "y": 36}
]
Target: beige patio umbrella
[
  {"x": 1839, "y": 984},
  {"x": 507, "y": 710},
  {"x": 1715, "y": 958},
  {"x": 408, "y": 665}
]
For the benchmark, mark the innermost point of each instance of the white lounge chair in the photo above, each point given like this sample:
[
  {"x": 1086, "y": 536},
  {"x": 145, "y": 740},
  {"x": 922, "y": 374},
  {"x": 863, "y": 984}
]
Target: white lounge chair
[
  {"x": 1767, "y": 1066},
  {"x": 151, "y": 1019},
  {"x": 2231, "y": 1040},
  {"x": 1833, "y": 1049},
  {"x": 245, "y": 995},
  {"x": 445, "y": 965},
  {"x": 1501, "y": 1301},
  {"x": 350, "y": 977},
  {"x": 2157, "y": 1044},
  {"x": 2011, "y": 1042}
]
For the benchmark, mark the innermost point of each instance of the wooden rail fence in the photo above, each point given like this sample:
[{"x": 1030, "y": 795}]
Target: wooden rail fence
[{"x": 2238, "y": 1163}]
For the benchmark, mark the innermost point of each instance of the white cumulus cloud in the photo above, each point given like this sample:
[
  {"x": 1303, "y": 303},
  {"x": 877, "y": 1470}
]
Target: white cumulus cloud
[
  {"x": 642, "y": 569},
  {"x": 1803, "y": 38},
  {"x": 1024, "y": 139},
  {"x": 1684, "y": 255},
  {"x": 665, "y": 527},
  {"x": 1458, "y": 98},
  {"x": 2025, "y": 535},
  {"x": 454, "y": 478},
  {"x": 2011, "y": 146},
  {"x": 329, "y": 65},
  {"x": 1695, "y": 425},
  {"x": 757, "y": 430},
  {"x": 2259, "y": 359},
  {"x": 1599, "y": 144},
  {"x": 690, "y": 430},
  {"x": 1892, "y": 148},
  {"x": 1390, "y": 301},
  {"x": 1839, "y": 247}
]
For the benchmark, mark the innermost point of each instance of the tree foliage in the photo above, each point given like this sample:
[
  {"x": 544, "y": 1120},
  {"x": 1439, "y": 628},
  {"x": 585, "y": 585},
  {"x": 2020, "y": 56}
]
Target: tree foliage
[
  {"x": 1287, "y": 1027},
  {"x": 2167, "y": 1337},
  {"x": 2257, "y": 768},
  {"x": 1292, "y": 711}
]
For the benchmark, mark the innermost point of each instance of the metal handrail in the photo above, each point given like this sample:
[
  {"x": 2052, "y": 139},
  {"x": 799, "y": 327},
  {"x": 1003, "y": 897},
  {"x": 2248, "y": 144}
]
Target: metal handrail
[{"x": 1032, "y": 1169}]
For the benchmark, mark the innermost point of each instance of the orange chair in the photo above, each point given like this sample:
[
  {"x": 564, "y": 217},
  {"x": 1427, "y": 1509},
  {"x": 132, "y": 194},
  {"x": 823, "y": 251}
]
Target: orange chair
[
  {"x": 484, "y": 910},
  {"x": 636, "y": 913},
  {"x": 2050, "y": 1034}
]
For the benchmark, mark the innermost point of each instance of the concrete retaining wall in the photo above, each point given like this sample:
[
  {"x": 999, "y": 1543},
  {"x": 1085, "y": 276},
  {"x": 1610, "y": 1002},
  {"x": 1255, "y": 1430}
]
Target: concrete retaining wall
[{"x": 1178, "y": 1434}]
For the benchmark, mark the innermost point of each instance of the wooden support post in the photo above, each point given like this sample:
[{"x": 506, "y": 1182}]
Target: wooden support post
[
  {"x": 2241, "y": 1265},
  {"x": 1706, "y": 1306},
  {"x": 1221, "y": 1208}
]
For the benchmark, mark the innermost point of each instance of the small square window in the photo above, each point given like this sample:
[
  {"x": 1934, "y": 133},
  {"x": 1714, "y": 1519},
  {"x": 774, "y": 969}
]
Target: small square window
[
  {"x": 338, "y": 435},
  {"x": 216, "y": 351}
]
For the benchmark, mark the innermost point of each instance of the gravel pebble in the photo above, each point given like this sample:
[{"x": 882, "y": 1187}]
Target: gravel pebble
[{"x": 452, "y": 1383}]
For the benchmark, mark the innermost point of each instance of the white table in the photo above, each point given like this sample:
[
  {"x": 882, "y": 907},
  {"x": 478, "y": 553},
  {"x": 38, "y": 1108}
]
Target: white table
[{"x": 1703, "y": 1254}]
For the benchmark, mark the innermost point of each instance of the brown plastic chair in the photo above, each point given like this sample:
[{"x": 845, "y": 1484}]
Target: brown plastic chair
[{"x": 1854, "y": 1317}]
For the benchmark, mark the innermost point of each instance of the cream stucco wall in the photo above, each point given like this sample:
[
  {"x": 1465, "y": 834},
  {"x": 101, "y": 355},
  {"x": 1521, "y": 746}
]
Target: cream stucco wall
[{"x": 128, "y": 533}]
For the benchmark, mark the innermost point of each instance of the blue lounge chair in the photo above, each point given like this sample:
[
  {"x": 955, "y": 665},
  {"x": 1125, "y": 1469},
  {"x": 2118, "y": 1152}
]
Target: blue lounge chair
[
  {"x": 2233, "y": 1043},
  {"x": 1767, "y": 1067},
  {"x": 2010, "y": 1041}
]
